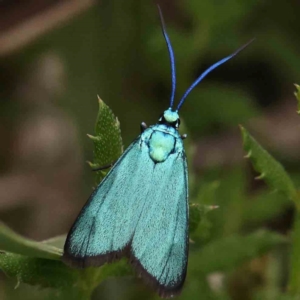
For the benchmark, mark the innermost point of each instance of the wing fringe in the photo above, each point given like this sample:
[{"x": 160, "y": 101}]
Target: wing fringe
[
  {"x": 164, "y": 291},
  {"x": 94, "y": 261}
]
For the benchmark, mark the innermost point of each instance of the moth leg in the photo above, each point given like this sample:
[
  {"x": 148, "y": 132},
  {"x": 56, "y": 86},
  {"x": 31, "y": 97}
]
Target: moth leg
[
  {"x": 184, "y": 136},
  {"x": 104, "y": 167},
  {"x": 143, "y": 127}
]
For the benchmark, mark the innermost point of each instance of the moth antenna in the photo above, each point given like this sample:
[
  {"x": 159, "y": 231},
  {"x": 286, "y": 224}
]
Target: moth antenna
[
  {"x": 171, "y": 55},
  {"x": 220, "y": 62}
]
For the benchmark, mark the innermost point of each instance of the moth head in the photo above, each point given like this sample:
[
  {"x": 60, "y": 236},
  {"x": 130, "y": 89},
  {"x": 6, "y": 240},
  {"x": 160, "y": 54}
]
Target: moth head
[{"x": 170, "y": 118}]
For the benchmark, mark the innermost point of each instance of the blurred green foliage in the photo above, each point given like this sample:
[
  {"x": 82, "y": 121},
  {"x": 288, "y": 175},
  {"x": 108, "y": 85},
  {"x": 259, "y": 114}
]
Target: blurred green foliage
[{"x": 116, "y": 50}]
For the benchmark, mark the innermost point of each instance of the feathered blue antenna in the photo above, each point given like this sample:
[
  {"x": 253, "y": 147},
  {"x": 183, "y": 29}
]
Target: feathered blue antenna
[
  {"x": 171, "y": 55},
  {"x": 220, "y": 62}
]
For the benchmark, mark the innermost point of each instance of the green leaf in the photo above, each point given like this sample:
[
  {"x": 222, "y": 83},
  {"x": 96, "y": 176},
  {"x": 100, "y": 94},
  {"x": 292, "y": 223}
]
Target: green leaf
[
  {"x": 203, "y": 203},
  {"x": 12, "y": 242},
  {"x": 55, "y": 274},
  {"x": 207, "y": 193},
  {"x": 38, "y": 263},
  {"x": 57, "y": 241},
  {"x": 270, "y": 170},
  {"x": 297, "y": 94},
  {"x": 196, "y": 214},
  {"x": 264, "y": 206},
  {"x": 38, "y": 271},
  {"x": 227, "y": 253},
  {"x": 71, "y": 283},
  {"x": 107, "y": 140}
]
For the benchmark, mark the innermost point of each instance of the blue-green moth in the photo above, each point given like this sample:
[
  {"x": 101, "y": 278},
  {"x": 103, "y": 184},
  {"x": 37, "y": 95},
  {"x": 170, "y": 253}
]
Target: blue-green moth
[{"x": 140, "y": 209}]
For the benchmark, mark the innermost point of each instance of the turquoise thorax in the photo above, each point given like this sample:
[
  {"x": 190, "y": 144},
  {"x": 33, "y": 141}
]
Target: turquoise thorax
[
  {"x": 163, "y": 140},
  {"x": 161, "y": 145}
]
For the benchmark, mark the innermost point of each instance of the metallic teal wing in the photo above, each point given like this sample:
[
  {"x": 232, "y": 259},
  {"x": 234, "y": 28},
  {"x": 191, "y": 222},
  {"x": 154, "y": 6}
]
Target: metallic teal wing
[
  {"x": 105, "y": 226},
  {"x": 159, "y": 247}
]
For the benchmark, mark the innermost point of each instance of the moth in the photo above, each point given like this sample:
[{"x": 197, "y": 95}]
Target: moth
[{"x": 140, "y": 209}]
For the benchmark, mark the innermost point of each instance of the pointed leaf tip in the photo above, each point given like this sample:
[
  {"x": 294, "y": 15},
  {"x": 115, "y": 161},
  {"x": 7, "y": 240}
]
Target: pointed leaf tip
[
  {"x": 261, "y": 176},
  {"x": 213, "y": 207},
  {"x": 248, "y": 155},
  {"x": 93, "y": 166},
  {"x": 93, "y": 138},
  {"x": 100, "y": 101}
]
